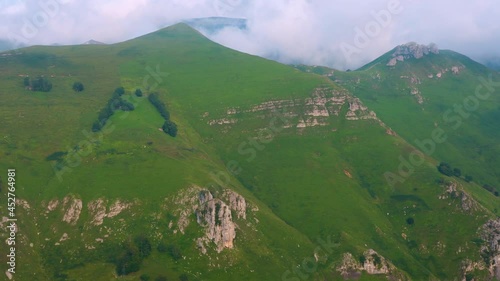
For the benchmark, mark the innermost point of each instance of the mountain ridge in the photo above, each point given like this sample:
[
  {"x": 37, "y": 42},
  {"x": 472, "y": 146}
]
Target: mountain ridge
[{"x": 274, "y": 173}]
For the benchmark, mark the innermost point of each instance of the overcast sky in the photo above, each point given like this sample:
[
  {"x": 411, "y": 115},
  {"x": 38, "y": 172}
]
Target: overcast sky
[{"x": 337, "y": 33}]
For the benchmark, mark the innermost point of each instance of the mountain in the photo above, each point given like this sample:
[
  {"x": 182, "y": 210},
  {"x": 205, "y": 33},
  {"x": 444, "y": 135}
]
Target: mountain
[
  {"x": 272, "y": 173},
  {"x": 93, "y": 42},
  {"x": 213, "y": 25}
]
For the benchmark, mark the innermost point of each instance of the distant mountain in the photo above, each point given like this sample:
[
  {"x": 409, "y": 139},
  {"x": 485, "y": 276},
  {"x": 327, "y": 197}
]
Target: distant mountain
[
  {"x": 93, "y": 42},
  {"x": 7, "y": 45},
  {"x": 213, "y": 25},
  {"x": 493, "y": 63}
]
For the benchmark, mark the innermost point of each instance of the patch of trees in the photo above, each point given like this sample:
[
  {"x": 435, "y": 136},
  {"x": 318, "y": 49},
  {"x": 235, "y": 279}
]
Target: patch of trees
[
  {"x": 78, "y": 87},
  {"x": 446, "y": 169},
  {"x": 39, "y": 84},
  {"x": 115, "y": 103},
  {"x": 169, "y": 127},
  {"x": 130, "y": 258},
  {"x": 491, "y": 189}
]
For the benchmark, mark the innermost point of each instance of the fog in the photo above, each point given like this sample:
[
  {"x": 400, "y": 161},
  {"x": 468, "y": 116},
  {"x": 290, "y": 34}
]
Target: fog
[{"x": 337, "y": 33}]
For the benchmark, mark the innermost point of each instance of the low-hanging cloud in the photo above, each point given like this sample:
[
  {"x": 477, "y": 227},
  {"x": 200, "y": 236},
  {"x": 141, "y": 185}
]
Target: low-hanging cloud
[{"x": 314, "y": 32}]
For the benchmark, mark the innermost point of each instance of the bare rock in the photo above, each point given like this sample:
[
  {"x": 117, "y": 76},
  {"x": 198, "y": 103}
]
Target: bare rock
[
  {"x": 73, "y": 208},
  {"x": 237, "y": 203},
  {"x": 372, "y": 263},
  {"x": 411, "y": 50},
  {"x": 216, "y": 217},
  {"x": 490, "y": 233}
]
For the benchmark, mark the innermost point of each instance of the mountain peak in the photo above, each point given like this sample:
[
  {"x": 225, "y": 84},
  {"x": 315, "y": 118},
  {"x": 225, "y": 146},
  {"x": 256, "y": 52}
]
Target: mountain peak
[
  {"x": 411, "y": 50},
  {"x": 93, "y": 42}
]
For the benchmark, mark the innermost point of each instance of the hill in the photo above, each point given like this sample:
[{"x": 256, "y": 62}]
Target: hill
[{"x": 273, "y": 174}]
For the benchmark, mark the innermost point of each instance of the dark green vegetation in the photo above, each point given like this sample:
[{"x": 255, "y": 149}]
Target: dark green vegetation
[
  {"x": 169, "y": 127},
  {"x": 247, "y": 125},
  {"x": 117, "y": 102},
  {"x": 39, "y": 84},
  {"x": 78, "y": 87}
]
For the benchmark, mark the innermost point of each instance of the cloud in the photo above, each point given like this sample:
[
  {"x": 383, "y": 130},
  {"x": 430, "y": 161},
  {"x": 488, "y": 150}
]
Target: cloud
[{"x": 290, "y": 31}]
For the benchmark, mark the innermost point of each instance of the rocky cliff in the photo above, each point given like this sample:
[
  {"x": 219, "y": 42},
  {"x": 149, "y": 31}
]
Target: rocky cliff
[{"x": 411, "y": 50}]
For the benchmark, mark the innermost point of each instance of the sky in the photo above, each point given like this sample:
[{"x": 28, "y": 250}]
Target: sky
[{"x": 336, "y": 33}]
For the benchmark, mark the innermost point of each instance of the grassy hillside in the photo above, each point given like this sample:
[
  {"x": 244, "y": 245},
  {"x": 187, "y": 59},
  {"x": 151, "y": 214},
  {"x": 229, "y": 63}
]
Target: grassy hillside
[{"x": 307, "y": 155}]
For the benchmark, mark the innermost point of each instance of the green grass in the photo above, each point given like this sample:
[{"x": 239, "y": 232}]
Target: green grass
[{"x": 308, "y": 184}]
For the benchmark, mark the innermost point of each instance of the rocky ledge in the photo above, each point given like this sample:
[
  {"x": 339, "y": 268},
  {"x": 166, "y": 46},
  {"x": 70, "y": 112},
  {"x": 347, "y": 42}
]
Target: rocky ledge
[{"x": 412, "y": 50}]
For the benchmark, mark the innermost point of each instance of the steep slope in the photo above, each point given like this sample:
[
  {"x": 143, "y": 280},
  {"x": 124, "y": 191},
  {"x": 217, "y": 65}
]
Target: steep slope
[
  {"x": 274, "y": 173},
  {"x": 440, "y": 90}
]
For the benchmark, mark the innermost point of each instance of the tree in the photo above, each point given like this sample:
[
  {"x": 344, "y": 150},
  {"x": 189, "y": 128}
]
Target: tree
[
  {"x": 160, "y": 106},
  {"x": 183, "y": 277},
  {"x": 145, "y": 277},
  {"x": 129, "y": 261},
  {"x": 410, "y": 221},
  {"x": 170, "y": 128},
  {"x": 78, "y": 87},
  {"x": 138, "y": 92},
  {"x": 468, "y": 178},
  {"x": 445, "y": 169},
  {"x": 457, "y": 173},
  {"x": 39, "y": 84},
  {"x": 174, "y": 252},
  {"x": 120, "y": 91},
  {"x": 143, "y": 245}
]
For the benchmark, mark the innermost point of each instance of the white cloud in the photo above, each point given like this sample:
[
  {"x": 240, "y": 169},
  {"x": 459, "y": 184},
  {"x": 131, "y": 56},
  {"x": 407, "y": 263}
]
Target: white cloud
[{"x": 291, "y": 31}]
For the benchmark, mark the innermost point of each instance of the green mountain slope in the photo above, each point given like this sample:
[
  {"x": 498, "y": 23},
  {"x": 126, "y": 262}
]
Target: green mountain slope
[{"x": 275, "y": 174}]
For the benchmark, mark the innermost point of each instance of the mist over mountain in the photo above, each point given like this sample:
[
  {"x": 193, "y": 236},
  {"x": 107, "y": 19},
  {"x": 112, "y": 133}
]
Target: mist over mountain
[{"x": 302, "y": 32}]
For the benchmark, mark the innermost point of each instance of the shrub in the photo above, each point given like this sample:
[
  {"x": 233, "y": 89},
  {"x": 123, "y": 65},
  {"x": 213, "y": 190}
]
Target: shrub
[
  {"x": 120, "y": 91},
  {"x": 56, "y": 156},
  {"x": 174, "y": 252},
  {"x": 170, "y": 128},
  {"x": 468, "y": 178},
  {"x": 143, "y": 245},
  {"x": 39, "y": 84},
  {"x": 410, "y": 221},
  {"x": 445, "y": 169},
  {"x": 183, "y": 277},
  {"x": 145, "y": 277},
  {"x": 138, "y": 92},
  {"x": 78, "y": 87},
  {"x": 159, "y": 105},
  {"x": 129, "y": 261}
]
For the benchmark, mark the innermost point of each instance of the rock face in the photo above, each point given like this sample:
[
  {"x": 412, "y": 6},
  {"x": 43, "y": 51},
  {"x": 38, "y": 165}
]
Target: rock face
[
  {"x": 490, "y": 233},
  {"x": 464, "y": 202},
  {"x": 73, "y": 208},
  {"x": 372, "y": 263},
  {"x": 216, "y": 217},
  {"x": 216, "y": 214},
  {"x": 411, "y": 50}
]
